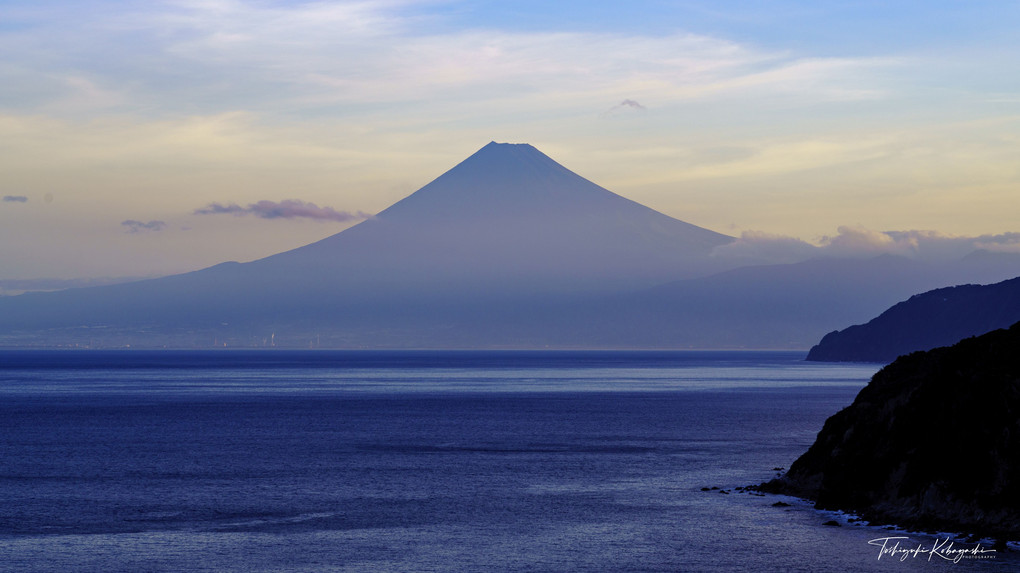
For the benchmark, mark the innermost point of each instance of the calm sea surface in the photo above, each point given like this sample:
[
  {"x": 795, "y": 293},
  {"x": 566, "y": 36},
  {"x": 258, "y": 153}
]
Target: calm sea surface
[{"x": 422, "y": 461}]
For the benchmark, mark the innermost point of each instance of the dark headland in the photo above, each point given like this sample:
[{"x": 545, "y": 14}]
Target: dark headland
[
  {"x": 928, "y": 320},
  {"x": 931, "y": 443}
]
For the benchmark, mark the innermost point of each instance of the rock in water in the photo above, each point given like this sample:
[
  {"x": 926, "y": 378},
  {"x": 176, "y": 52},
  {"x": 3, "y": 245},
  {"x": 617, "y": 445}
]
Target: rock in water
[{"x": 933, "y": 441}]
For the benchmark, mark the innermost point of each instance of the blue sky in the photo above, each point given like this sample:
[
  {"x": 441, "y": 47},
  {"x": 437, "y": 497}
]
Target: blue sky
[{"x": 820, "y": 121}]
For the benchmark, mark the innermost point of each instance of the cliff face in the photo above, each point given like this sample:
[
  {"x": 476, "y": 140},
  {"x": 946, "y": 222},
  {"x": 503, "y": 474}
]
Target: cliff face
[
  {"x": 935, "y": 318},
  {"x": 933, "y": 441}
]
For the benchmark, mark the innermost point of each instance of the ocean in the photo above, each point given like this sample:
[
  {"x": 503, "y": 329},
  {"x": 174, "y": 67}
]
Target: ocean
[{"x": 291, "y": 461}]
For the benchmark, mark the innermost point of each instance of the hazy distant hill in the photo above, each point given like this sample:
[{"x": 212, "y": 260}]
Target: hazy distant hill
[
  {"x": 507, "y": 249},
  {"x": 936, "y": 318},
  {"x": 780, "y": 306}
]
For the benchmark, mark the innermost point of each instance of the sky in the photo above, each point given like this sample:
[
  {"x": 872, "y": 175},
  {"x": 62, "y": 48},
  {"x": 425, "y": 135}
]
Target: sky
[{"x": 150, "y": 138}]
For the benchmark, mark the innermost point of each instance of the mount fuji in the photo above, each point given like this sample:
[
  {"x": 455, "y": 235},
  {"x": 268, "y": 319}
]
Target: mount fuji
[
  {"x": 507, "y": 219},
  {"x": 506, "y": 226}
]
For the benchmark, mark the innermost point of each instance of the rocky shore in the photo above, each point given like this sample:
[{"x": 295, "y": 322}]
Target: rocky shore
[{"x": 931, "y": 443}]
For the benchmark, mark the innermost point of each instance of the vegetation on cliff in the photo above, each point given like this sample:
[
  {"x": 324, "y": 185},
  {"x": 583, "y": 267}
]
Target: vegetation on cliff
[{"x": 933, "y": 441}]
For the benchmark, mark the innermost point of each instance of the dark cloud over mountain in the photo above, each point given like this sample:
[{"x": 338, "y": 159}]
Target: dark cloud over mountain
[
  {"x": 133, "y": 226},
  {"x": 286, "y": 209}
]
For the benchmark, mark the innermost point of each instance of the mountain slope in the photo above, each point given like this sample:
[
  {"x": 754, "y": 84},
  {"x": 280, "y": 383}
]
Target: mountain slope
[
  {"x": 510, "y": 218},
  {"x": 935, "y": 318}
]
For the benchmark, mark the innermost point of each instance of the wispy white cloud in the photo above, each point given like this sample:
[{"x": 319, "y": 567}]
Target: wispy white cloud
[
  {"x": 760, "y": 247},
  {"x": 938, "y": 245},
  {"x": 210, "y": 56}
]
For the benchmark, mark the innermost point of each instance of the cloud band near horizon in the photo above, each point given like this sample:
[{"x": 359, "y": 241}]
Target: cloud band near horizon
[{"x": 857, "y": 242}]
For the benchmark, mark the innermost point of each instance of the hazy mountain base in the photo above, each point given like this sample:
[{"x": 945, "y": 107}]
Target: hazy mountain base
[{"x": 773, "y": 307}]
